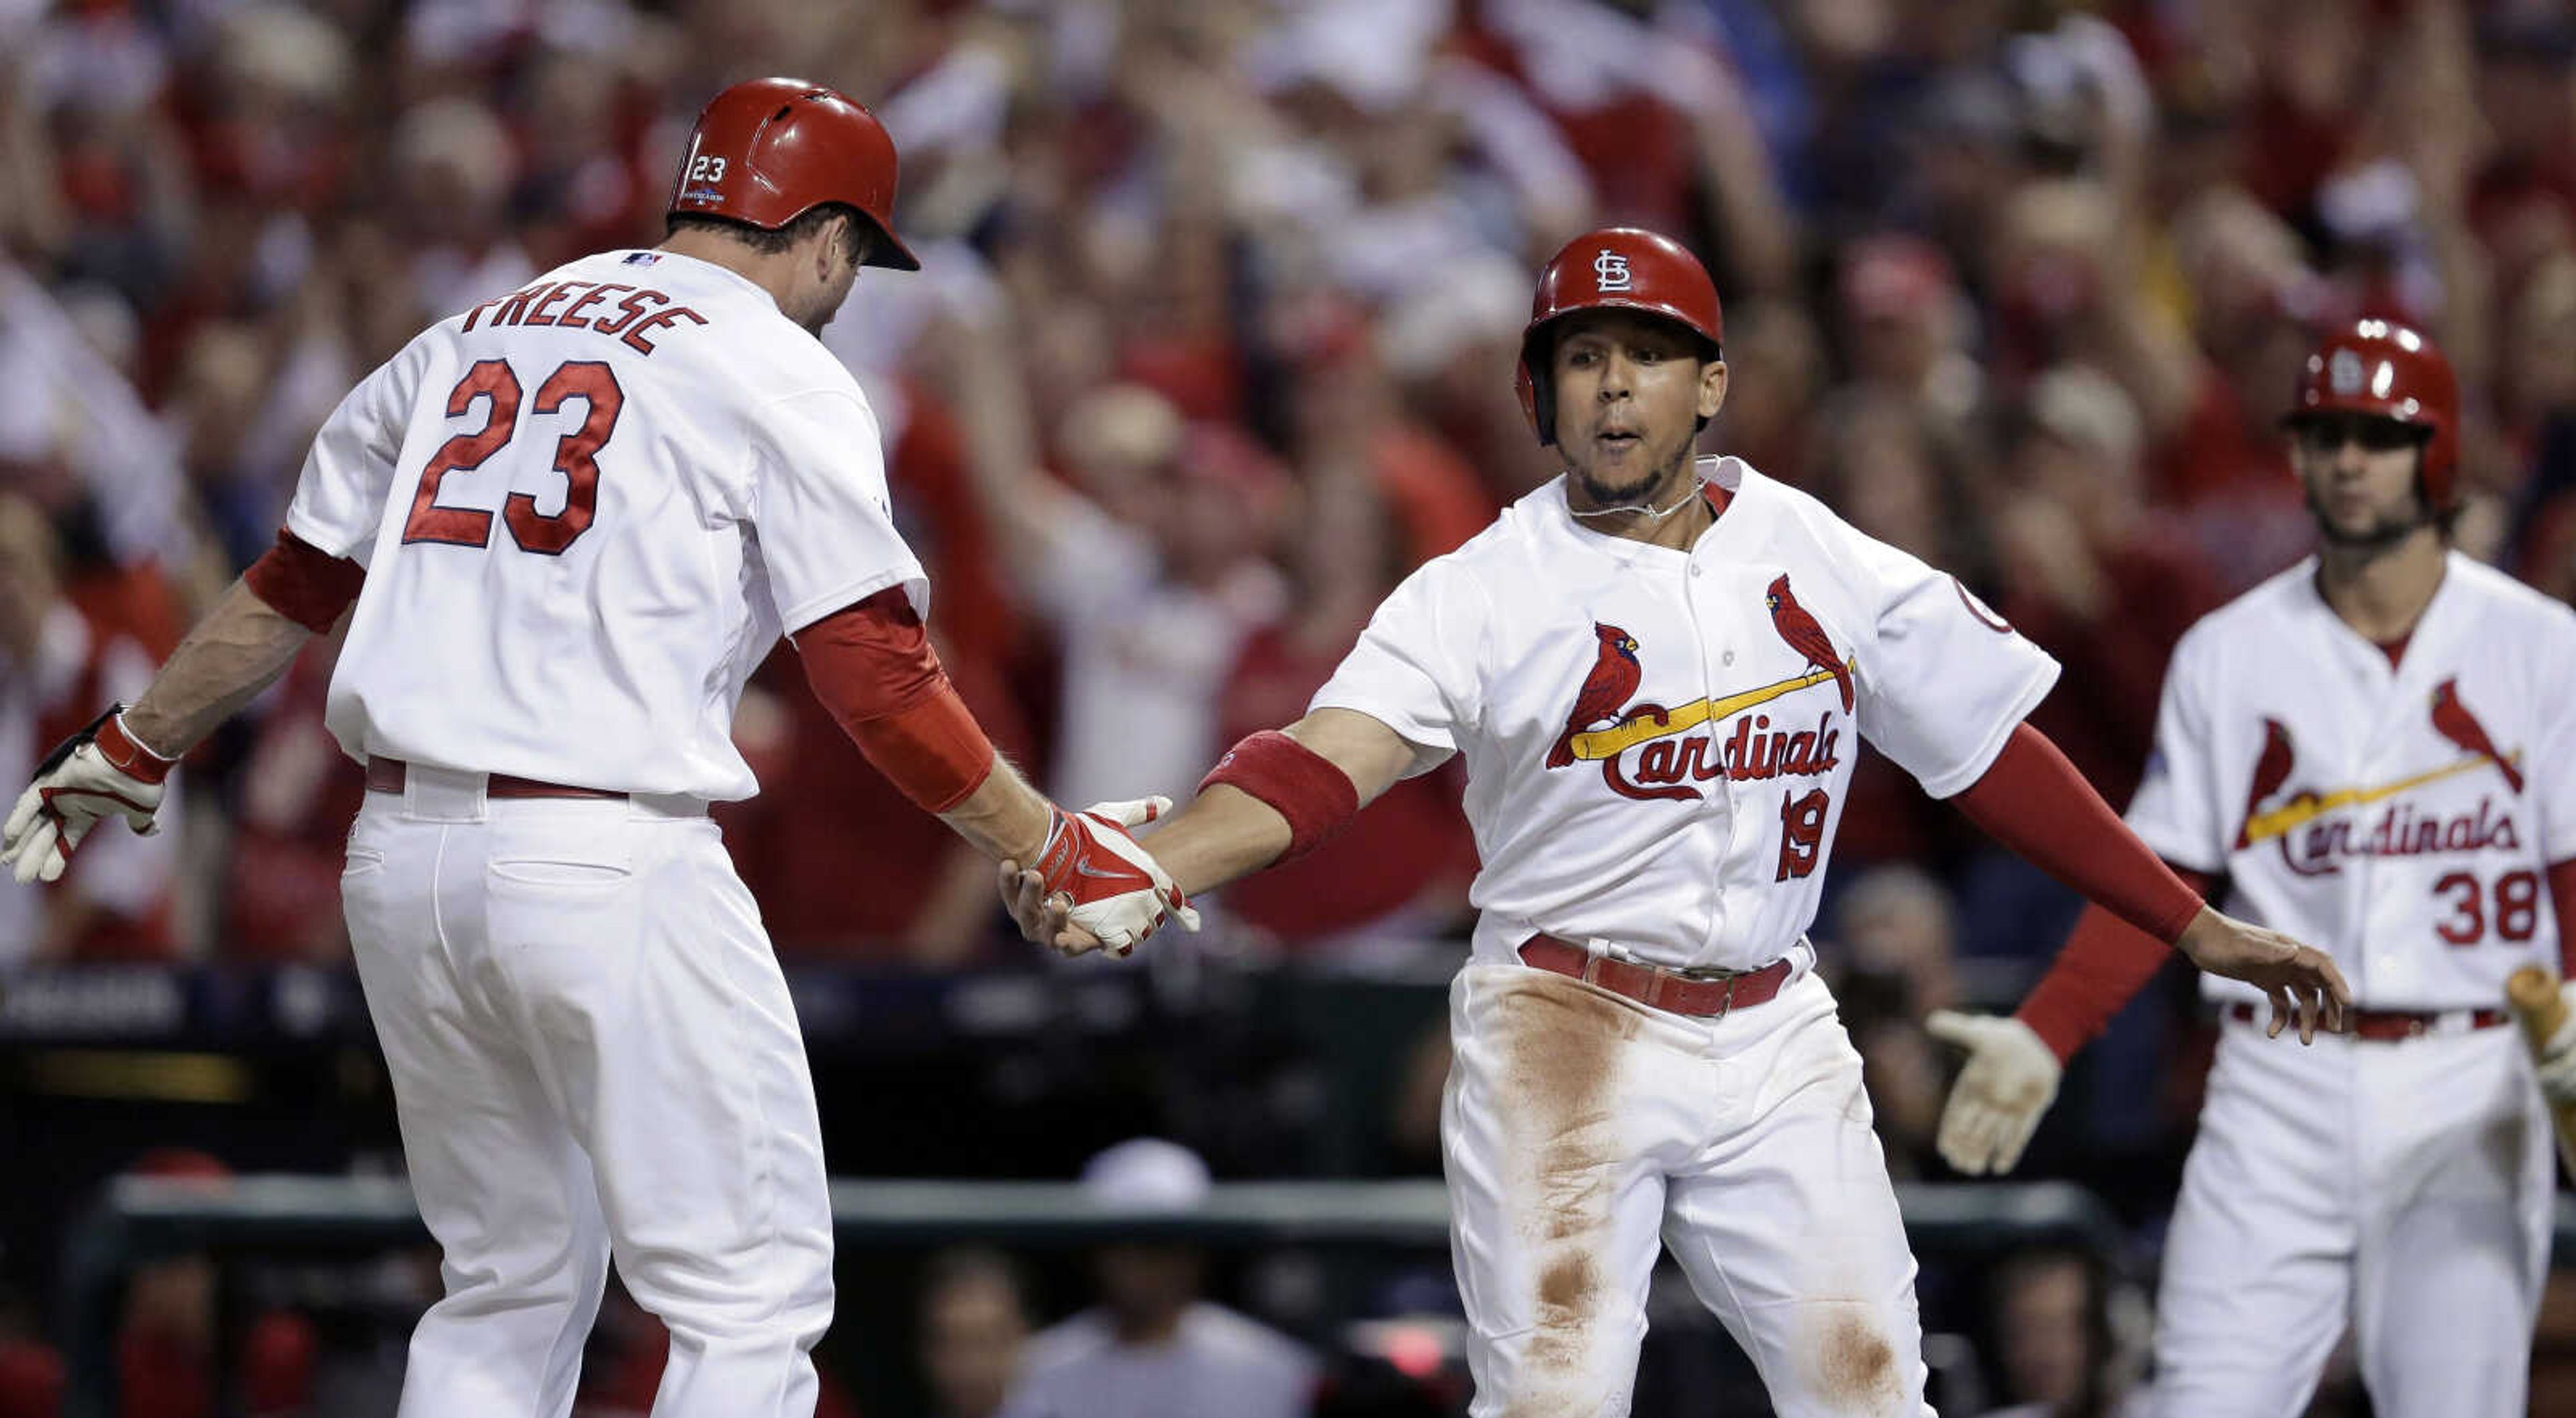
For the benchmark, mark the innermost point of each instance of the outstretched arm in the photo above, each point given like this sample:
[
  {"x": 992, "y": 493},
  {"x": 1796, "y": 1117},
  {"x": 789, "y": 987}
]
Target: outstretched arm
[
  {"x": 239, "y": 649},
  {"x": 872, "y": 665},
  {"x": 2035, "y": 802},
  {"x": 115, "y": 767},
  {"x": 1239, "y": 824}
]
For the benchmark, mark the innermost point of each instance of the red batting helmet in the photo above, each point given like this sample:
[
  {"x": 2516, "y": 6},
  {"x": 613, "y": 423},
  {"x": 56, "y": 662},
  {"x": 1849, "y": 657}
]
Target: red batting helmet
[
  {"x": 1623, "y": 268},
  {"x": 2392, "y": 371},
  {"x": 767, "y": 151}
]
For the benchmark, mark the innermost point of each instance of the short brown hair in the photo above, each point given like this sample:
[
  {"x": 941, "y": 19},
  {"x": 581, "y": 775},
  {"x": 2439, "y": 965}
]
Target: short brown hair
[{"x": 856, "y": 237}]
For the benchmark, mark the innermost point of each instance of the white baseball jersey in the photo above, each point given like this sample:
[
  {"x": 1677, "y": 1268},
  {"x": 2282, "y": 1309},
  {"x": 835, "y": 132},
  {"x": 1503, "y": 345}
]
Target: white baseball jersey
[
  {"x": 2402, "y": 818},
  {"x": 1657, "y": 744},
  {"x": 1658, "y": 741},
  {"x": 613, "y": 488}
]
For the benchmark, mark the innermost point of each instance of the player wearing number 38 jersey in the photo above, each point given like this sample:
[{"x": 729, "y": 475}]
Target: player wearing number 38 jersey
[
  {"x": 2376, "y": 751},
  {"x": 1659, "y": 671},
  {"x": 572, "y": 519}
]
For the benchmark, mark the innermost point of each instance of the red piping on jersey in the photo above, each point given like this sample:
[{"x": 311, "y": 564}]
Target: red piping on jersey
[
  {"x": 304, "y": 583},
  {"x": 871, "y": 664},
  {"x": 2562, "y": 901}
]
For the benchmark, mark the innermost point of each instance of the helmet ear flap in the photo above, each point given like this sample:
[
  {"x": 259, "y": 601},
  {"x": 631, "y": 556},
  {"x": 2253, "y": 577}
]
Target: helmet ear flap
[{"x": 1536, "y": 388}]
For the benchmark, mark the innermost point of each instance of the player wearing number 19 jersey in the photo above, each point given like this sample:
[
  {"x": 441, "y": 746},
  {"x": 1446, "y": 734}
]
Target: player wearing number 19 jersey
[
  {"x": 2376, "y": 751},
  {"x": 571, "y": 520}
]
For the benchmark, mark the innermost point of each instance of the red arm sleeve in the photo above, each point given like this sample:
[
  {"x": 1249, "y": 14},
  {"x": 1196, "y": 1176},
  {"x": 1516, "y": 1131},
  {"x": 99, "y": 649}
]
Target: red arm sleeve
[
  {"x": 2103, "y": 965},
  {"x": 2562, "y": 899},
  {"x": 2033, "y": 801},
  {"x": 304, "y": 583},
  {"x": 871, "y": 664}
]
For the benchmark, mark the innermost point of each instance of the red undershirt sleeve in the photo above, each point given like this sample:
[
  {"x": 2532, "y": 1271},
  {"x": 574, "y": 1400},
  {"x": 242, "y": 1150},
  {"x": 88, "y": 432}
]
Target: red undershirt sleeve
[
  {"x": 2036, "y": 803},
  {"x": 2562, "y": 899},
  {"x": 304, "y": 583},
  {"x": 2103, "y": 965},
  {"x": 872, "y": 665}
]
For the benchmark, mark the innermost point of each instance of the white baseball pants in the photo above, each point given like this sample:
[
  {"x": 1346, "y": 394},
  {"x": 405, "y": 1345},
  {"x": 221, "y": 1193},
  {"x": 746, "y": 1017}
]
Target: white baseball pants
[
  {"x": 1579, "y": 1127},
  {"x": 2401, "y": 1187},
  {"x": 592, "y": 1050}
]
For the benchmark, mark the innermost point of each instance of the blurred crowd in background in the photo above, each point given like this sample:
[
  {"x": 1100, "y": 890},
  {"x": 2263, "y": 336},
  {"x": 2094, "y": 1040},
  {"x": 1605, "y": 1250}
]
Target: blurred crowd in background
[{"x": 1214, "y": 342}]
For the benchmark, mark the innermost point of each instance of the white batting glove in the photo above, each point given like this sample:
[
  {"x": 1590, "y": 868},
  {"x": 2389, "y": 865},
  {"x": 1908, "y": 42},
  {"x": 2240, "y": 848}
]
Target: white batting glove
[
  {"x": 2010, "y": 1079},
  {"x": 2557, "y": 1062},
  {"x": 98, "y": 773},
  {"x": 1117, "y": 891}
]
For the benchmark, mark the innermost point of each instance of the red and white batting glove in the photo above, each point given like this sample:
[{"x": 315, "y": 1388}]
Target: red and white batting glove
[
  {"x": 1118, "y": 891},
  {"x": 95, "y": 774}
]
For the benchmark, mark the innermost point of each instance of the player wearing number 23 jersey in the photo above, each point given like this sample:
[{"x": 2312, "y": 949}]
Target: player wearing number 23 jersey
[{"x": 564, "y": 526}]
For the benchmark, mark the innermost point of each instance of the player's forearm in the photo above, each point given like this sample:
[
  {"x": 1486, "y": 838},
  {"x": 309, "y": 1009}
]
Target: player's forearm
[
  {"x": 2033, "y": 801},
  {"x": 2103, "y": 965},
  {"x": 1004, "y": 818},
  {"x": 241, "y": 646},
  {"x": 1275, "y": 795},
  {"x": 1223, "y": 835}
]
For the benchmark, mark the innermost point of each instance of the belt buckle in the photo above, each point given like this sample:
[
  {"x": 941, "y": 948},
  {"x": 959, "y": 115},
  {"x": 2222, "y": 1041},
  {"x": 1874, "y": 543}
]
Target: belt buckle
[{"x": 1726, "y": 1006}]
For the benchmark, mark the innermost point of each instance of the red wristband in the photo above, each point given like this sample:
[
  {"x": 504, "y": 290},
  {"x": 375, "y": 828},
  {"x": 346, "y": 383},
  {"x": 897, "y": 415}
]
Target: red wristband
[
  {"x": 1298, "y": 783},
  {"x": 126, "y": 754}
]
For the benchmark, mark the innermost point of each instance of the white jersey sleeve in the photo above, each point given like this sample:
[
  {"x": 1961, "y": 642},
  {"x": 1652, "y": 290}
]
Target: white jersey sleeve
[
  {"x": 2177, "y": 811},
  {"x": 1946, "y": 679},
  {"x": 826, "y": 529},
  {"x": 340, "y": 496},
  {"x": 1415, "y": 669}
]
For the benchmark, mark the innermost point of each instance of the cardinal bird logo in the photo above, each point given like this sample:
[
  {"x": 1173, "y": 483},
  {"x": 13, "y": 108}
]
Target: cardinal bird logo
[
  {"x": 1805, "y": 636},
  {"x": 2271, "y": 770},
  {"x": 2453, "y": 721},
  {"x": 1606, "y": 690}
]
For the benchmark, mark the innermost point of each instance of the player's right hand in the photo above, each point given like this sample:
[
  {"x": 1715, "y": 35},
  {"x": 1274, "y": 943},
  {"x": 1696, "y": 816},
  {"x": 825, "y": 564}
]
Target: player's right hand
[
  {"x": 95, "y": 774},
  {"x": 2009, "y": 1081},
  {"x": 1096, "y": 885},
  {"x": 2302, "y": 981}
]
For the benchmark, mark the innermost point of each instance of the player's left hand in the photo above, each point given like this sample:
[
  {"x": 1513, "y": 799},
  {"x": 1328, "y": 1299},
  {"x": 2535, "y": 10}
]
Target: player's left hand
[
  {"x": 98, "y": 773},
  {"x": 2302, "y": 981},
  {"x": 2010, "y": 1079},
  {"x": 1093, "y": 886},
  {"x": 2557, "y": 1060}
]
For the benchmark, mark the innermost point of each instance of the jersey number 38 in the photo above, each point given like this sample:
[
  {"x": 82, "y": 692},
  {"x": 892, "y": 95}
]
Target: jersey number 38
[{"x": 547, "y": 533}]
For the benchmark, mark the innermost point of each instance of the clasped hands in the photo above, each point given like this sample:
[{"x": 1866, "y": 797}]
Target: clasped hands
[{"x": 1092, "y": 886}]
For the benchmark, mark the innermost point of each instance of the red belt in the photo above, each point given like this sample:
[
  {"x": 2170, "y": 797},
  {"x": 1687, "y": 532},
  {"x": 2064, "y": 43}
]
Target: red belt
[
  {"x": 386, "y": 775},
  {"x": 1652, "y": 984},
  {"x": 2384, "y": 1025}
]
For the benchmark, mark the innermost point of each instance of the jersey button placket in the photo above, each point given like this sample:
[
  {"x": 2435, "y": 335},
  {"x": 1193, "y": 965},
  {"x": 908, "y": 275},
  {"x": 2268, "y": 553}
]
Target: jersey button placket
[{"x": 1721, "y": 798}]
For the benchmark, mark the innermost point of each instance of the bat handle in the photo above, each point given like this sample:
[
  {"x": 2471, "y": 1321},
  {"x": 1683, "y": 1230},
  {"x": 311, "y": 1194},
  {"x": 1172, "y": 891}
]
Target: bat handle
[{"x": 2532, "y": 991}]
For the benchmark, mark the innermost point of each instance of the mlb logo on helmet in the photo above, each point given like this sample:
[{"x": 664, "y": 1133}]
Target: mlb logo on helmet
[
  {"x": 2343, "y": 373},
  {"x": 1610, "y": 271}
]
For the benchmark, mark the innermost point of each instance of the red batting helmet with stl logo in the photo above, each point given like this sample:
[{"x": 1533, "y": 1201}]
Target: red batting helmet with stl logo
[
  {"x": 2388, "y": 370},
  {"x": 1622, "y": 268},
  {"x": 767, "y": 151}
]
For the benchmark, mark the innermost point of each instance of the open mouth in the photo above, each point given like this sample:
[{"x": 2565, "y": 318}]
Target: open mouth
[{"x": 1616, "y": 439}]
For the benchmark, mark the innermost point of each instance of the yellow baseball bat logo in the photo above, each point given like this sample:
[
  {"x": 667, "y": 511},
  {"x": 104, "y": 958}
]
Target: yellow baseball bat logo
[{"x": 1639, "y": 728}]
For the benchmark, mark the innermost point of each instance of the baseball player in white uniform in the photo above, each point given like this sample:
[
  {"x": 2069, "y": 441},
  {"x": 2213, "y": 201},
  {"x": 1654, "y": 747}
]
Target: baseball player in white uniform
[
  {"x": 1658, "y": 669},
  {"x": 571, "y": 520},
  {"x": 2373, "y": 750}
]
